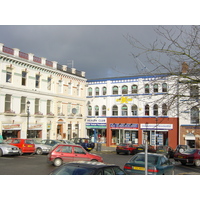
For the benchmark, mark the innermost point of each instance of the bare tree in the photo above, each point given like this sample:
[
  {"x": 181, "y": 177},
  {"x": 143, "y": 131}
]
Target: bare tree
[{"x": 175, "y": 53}]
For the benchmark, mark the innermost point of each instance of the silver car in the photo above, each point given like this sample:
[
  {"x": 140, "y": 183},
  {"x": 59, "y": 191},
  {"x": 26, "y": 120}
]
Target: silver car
[
  {"x": 7, "y": 149},
  {"x": 41, "y": 148}
]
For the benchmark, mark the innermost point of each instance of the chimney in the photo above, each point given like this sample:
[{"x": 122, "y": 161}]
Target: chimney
[{"x": 184, "y": 68}]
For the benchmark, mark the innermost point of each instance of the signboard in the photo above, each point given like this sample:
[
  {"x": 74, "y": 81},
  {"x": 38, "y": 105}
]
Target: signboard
[
  {"x": 156, "y": 126},
  {"x": 123, "y": 126},
  {"x": 11, "y": 126},
  {"x": 96, "y": 123}
]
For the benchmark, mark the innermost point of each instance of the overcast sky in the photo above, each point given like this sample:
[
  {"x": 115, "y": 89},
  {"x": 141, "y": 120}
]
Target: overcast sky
[{"x": 100, "y": 51}]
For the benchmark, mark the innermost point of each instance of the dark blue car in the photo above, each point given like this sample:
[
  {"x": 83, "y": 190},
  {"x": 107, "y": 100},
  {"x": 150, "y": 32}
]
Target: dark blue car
[{"x": 86, "y": 143}]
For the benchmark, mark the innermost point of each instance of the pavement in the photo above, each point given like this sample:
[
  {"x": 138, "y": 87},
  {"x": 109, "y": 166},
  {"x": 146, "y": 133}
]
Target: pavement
[{"x": 104, "y": 148}]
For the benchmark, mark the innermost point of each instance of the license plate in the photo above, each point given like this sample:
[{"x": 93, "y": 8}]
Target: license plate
[
  {"x": 30, "y": 145},
  {"x": 161, "y": 150},
  {"x": 121, "y": 148},
  {"x": 140, "y": 149},
  {"x": 89, "y": 148},
  {"x": 139, "y": 168},
  {"x": 15, "y": 151},
  {"x": 180, "y": 156}
]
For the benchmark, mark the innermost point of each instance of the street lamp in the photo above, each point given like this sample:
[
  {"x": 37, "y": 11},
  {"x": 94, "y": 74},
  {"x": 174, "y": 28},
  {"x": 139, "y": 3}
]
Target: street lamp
[{"x": 28, "y": 106}]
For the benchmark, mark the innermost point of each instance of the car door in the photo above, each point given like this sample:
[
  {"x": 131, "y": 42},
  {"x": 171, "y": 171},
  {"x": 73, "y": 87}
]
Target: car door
[
  {"x": 80, "y": 154},
  {"x": 165, "y": 166},
  {"x": 66, "y": 153}
]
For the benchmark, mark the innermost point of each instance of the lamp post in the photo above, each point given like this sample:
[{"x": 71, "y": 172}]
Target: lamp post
[{"x": 28, "y": 114}]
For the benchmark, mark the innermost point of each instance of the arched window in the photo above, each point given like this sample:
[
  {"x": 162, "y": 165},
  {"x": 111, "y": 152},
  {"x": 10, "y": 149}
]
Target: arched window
[
  {"x": 134, "y": 110},
  {"x": 124, "y": 89},
  {"x": 96, "y": 91},
  {"x": 155, "y": 110},
  {"x": 115, "y": 90},
  {"x": 89, "y": 110},
  {"x": 124, "y": 110},
  {"x": 104, "y": 90},
  {"x": 164, "y": 87},
  {"x": 164, "y": 109},
  {"x": 90, "y": 91},
  {"x": 194, "y": 115},
  {"x": 96, "y": 110},
  {"x": 134, "y": 89},
  {"x": 155, "y": 88},
  {"x": 146, "y": 90},
  {"x": 147, "y": 109},
  {"x": 103, "y": 110},
  {"x": 115, "y": 110}
]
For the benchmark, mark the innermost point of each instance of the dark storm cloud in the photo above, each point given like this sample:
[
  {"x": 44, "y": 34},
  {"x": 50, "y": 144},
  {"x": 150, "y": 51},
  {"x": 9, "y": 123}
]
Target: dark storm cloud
[{"x": 100, "y": 51}]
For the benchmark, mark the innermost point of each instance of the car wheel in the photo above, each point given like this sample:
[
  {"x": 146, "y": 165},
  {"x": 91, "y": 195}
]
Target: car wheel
[
  {"x": 117, "y": 152},
  {"x": 39, "y": 151},
  {"x": 197, "y": 163},
  {"x": 1, "y": 153},
  {"x": 20, "y": 152},
  {"x": 128, "y": 152},
  {"x": 58, "y": 162},
  {"x": 94, "y": 160}
]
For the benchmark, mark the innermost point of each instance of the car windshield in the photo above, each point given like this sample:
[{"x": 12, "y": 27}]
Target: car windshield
[
  {"x": 73, "y": 170},
  {"x": 140, "y": 159},
  {"x": 190, "y": 151},
  {"x": 122, "y": 145},
  {"x": 37, "y": 142}
]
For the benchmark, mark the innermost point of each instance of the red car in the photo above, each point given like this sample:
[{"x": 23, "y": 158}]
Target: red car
[
  {"x": 126, "y": 148},
  {"x": 189, "y": 156},
  {"x": 63, "y": 153},
  {"x": 24, "y": 145}
]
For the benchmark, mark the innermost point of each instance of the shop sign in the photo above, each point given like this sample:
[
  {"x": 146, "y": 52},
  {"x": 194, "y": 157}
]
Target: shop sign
[
  {"x": 123, "y": 126},
  {"x": 157, "y": 126},
  {"x": 11, "y": 126},
  {"x": 35, "y": 127},
  {"x": 124, "y": 100},
  {"x": 99, "y": 123}
]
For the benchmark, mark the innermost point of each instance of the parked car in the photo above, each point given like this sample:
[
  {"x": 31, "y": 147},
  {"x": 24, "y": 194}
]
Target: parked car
[
  {"x": 24, "y": 145},
  {"x": 158, "y": 164},
  {"x": 50, "y": 142},
  {"x": 166, "y": 150},
  {"x": 191, "y": 156},
  {"x": 141, "y": 148},
  {"x": 86, "y": 143},
  {"x": 62, "y": 153},
  {"x": 88, "y": 168},
  {"x": 41, "y": 148},
  {"x": 179, "y": 150},
  {"x": 126, "y": 148},
  {"x": 6, "y": 149}
]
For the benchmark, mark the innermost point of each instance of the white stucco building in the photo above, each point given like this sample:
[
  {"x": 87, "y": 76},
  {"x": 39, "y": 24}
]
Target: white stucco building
[{"x": 55, "y": 93}]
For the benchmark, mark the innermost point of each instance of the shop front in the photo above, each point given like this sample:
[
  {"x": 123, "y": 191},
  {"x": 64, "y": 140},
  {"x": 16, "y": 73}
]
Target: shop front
[
  {"x": 35, "y": 131},
  {"x": 190, "y": 135},
  {"x": 11, "y": 131},
  {"x": 96, "y": 129},
  {"x": 157, "y": 134},
  {"x": 124, "y": 133}
]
